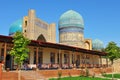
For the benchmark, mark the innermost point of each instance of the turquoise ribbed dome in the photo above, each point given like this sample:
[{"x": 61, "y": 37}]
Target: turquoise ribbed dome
[
  {"x": 71, "y": 19},
  {"x": 16, "y": 26},
  {"x": 97, "y": 44}
]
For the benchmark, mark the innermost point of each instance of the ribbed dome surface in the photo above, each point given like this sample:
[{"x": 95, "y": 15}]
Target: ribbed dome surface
[
  {"x": 97, "y": 44},
  {"x": 16, "y": 26},
  {"x": 71, "y": 18}
]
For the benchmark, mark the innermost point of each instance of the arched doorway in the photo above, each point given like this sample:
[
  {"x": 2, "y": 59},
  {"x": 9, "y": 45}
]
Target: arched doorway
[
  {"x": 8, "y": 63},
  {"x": 41, "y": 38}
]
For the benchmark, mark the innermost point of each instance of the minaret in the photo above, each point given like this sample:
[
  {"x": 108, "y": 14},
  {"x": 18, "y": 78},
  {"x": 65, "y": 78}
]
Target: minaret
[{"x": 31, "y": 23}]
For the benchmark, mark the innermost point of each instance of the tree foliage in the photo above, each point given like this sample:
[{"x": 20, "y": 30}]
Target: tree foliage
[
  {"x": 20, "y": 49},
  {"x": 113, "y": 51}
]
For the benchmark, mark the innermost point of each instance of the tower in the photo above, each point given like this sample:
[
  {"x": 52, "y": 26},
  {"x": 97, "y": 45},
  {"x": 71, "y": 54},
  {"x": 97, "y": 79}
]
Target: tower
[{"x": 31, "y": 22}]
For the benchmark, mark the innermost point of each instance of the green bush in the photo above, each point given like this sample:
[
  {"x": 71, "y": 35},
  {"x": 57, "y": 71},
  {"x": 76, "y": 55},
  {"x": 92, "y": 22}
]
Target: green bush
[
  {"x": 59, "y": 74},
  {"x": 103, "y": 73},
  {"x": 87, "y": 72},
  {"x": 81, "y": 73}
]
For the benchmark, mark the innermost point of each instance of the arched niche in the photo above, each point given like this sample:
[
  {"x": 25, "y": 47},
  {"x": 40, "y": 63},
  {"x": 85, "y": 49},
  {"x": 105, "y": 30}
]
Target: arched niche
[
  {"x": 87, "y": 45},
  {"x": 41, "y": 38}
]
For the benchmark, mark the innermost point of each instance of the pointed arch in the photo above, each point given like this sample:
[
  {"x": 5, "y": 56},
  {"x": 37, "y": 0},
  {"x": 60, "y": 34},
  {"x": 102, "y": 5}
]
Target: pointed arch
[
  {"x": 87, "y": 45},
  {"x": 41, "y": 38}
]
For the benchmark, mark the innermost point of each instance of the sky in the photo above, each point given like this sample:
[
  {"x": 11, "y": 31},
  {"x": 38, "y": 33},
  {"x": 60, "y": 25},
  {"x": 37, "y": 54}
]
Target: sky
[{"x": 101, "y": 17}]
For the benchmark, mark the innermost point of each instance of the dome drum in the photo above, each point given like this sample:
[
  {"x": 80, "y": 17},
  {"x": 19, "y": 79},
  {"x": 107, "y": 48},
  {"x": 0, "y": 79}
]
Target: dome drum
[
  {"x": 70, "y": 23},
  {"x": 76, "y": 29}
]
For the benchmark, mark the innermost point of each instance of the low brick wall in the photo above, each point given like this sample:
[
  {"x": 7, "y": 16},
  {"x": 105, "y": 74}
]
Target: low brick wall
[
  {"x": 100, "y": 70},
  {"x": 54, "y": 73},
  {"x": 13, "y": 75},
  {"x": 73, "y": 72},
  {"x": 10, "y": 75},
  {"x": 0, "y": 71}
]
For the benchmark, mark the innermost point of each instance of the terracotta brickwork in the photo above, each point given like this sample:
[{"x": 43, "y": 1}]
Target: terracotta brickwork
[
  {"x": 0, "y": 71},
  {"x": 10, "y": 75},
  {"x": 73, "y": 72},
  {"x": 100, "y": 70},
  {"x": 13, "y": 75},
  {"x": 54, "y": 73}
]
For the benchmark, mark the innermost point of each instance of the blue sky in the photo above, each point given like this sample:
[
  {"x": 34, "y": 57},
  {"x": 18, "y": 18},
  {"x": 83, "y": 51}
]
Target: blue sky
[{"x": 101, "y": 17}]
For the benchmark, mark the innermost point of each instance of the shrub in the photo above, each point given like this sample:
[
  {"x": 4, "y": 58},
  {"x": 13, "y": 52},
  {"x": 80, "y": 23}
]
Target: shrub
[
  {"x": 87, "y": 72},
  {"x": 103, "y": 73},
  {"x": 93, "y": 76},
  {"x": 69, "y": 74},
  {"x": 59, "y": 74},
  {"x": 81, "y": 73}
]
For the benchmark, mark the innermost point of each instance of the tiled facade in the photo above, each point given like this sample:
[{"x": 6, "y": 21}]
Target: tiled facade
[{"x": 36, "y": 29}]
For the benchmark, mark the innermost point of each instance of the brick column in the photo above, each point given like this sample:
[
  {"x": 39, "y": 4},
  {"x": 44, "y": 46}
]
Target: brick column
[{"x": 0, "y": 71}]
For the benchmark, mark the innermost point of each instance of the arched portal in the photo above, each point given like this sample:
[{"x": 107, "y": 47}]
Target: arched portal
[
  {"x": 41, "y": 38},
  {"x": 87, "y": 45}
]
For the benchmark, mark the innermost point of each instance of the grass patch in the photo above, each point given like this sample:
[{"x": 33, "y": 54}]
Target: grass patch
[
  {"x": 110, "y": 75},
  {"x": 78, "y": 78}
]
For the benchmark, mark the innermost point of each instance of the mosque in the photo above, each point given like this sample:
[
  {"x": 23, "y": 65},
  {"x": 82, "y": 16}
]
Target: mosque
[{"x": 73, "y": 50}]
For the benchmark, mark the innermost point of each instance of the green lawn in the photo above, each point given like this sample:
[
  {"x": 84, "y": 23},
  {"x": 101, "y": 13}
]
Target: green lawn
[
  {"x": 79, "y": 78},
  {"x": 110, "y": 75}
]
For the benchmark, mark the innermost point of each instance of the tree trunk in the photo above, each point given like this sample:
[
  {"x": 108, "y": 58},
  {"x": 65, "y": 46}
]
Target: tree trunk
[
  {"x": 19, "y": 71},
  {"x": 19, "y": 75},
  {"x": 112, "y": 69},
  {"x": 111, "y": 62},
  {"x": 112, "y": 72}
]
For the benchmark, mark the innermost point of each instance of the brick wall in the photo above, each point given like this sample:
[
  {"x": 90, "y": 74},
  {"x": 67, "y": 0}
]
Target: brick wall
[
  {"x": 12, "y": 75},
  {"x": 54, "y": 73},
  {"x": 0, "y": 71},
  {"x": 73, "y": 72}
]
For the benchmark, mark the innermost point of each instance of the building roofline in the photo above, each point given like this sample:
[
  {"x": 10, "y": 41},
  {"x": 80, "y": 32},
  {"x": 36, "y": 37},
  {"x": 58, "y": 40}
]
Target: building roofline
[{"x": 8, "y": 39}]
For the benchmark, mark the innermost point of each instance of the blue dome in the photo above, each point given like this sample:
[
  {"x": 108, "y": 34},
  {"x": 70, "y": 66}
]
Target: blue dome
[
  {"x": 97, "y": 44},
  {"x": 16, "y": 26},
  {"x": 71, "y": 19}
]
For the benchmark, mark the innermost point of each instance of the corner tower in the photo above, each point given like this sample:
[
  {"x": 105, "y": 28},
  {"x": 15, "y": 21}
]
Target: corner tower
[{"x": 71, "y": 27}]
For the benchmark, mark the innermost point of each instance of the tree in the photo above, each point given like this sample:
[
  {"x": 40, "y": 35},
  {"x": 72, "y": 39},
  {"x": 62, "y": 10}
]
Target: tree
[
  {"x": 113, "y": 51},
  {"x": 20, "y": 49}
]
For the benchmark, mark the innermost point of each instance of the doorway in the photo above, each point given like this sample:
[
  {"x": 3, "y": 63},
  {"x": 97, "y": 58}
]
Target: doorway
[{"x": 8, "y": 63}]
